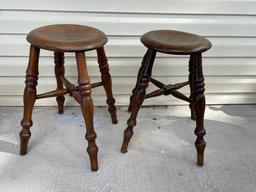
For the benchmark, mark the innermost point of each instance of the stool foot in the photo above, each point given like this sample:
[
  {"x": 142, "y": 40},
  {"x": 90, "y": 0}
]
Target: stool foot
[
  {"x": 24, "y": 138},
  {"x": 93, "y": 151},
  {"x": 112, "y": 109},
  {"x": 128, "y": 133},
  {"x": 107, "y": 83},
  {"x": 200, "y": 147},
  {"x": 24, "y": 144},
  {"x": 60, "y": 101}
]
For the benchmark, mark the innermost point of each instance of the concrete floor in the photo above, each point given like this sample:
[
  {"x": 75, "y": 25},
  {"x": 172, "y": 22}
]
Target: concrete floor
[{"x": 161, "y": 155}]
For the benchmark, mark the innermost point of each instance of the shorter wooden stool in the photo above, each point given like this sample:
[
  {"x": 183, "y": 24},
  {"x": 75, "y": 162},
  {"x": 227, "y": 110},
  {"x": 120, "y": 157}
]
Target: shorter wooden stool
[
  {"x": 178, "y": 43},
  {"x": 67, "y": 38}
]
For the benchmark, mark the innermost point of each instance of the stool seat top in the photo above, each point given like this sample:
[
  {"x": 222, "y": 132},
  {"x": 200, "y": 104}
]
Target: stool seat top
[
  {"x": 67, "y": 38},
  {"x": 175, "y": 42}
]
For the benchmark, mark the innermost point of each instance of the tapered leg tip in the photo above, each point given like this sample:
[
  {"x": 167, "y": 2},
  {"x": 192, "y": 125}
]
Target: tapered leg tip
[
  {"x": 124, "y": 150},
  {"x": 127, "y": 137},
  {"x": 23, "y": 152},
  {"x": 114, "y": 121},
  {"x": 60, "y": 112},
  {"x": 94, "y": 163},
  {"x": 114, "y": 118},
  {"x": 200, "y": 161},
  {"x": 24, "y": 145},
  {"x": 94, "y": 168},
  {"x": 112, "y": 111}
]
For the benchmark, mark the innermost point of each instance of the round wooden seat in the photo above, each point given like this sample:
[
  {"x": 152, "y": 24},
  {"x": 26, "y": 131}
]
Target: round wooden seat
[
  {"x": 175, "y": 42},
  {"x": 67, "y": 38}
]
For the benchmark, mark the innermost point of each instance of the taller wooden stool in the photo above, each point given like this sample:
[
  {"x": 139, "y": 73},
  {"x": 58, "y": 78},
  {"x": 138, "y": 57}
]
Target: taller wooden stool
[
  {"x": 178, "y": 43},
  {"x": 67, "y": 38}
]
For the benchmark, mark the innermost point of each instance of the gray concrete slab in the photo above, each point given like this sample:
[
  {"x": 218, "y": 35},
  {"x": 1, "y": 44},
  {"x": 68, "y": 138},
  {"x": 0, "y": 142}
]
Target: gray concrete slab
[{"x": 161, "y": 154}]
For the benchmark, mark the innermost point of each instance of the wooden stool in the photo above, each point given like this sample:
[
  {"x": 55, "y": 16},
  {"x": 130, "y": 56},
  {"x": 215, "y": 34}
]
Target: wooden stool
[
  {"x": 179, "y": 43},
  {"x": 67, "y": 38}
]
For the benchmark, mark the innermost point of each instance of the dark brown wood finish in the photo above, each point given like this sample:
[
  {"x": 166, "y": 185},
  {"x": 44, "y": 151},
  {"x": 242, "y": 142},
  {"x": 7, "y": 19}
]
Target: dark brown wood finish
[
  {"x": 172, "y": 42},
  {"x": 29, "y": 98},
  {"x": 138, "y": 97},
  {"x": 199, "y": 105},
  {"x": 107, "y": 83},
  {"x": 168, "y": 89},
  {"x": 60, "y": 39},
  {"x": 59, "y": 72},
  {"x": 139, "y": 76},
  {"x": 175, "y": 42},
  {"x": 191, "y": 85}
]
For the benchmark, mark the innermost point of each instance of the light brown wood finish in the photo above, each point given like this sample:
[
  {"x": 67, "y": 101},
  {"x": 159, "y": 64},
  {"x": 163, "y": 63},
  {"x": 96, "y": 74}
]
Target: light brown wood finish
[
  {"x": 87, "y": 108},
  {"x": 107, "y": 83},
  {"x": 172, "y": 42},
  {"x": 29, "y": 98},
  {"x": 68, "y": 38}
]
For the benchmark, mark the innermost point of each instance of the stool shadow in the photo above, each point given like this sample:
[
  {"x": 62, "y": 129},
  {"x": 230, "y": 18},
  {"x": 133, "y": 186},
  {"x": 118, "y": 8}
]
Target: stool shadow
[
  {"x": 247, "y": 111},
  {"x": 9, "y": 147}
]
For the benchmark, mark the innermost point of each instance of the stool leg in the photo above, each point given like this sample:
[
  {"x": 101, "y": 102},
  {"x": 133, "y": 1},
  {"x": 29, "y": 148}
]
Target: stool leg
[
  {"x": 199, "y": 104},
  {"x": 107, "y": 83},
  {"x": 139, "y": 76},
  {"x": 59, "y": 72},
  {"x": 191, "y": 83},
  {"x": 87, "y": 108},
  {"x": 29, "y": 98},
  {"x": 138, "y": 98}
]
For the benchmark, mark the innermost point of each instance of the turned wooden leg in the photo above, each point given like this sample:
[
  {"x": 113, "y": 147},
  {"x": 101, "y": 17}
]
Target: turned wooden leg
[
  {"x": 107, "y": 83},
  {"x": 59, "y": 72},
  {"x": 191, "y": 84},
  {"x": 199, "y": 105},
  {"x": 138, "y": 98},
  {"x": 87, "y": 108},
  {"x": 139, "y": 76},
  {"x": 29, "y": 98}
]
